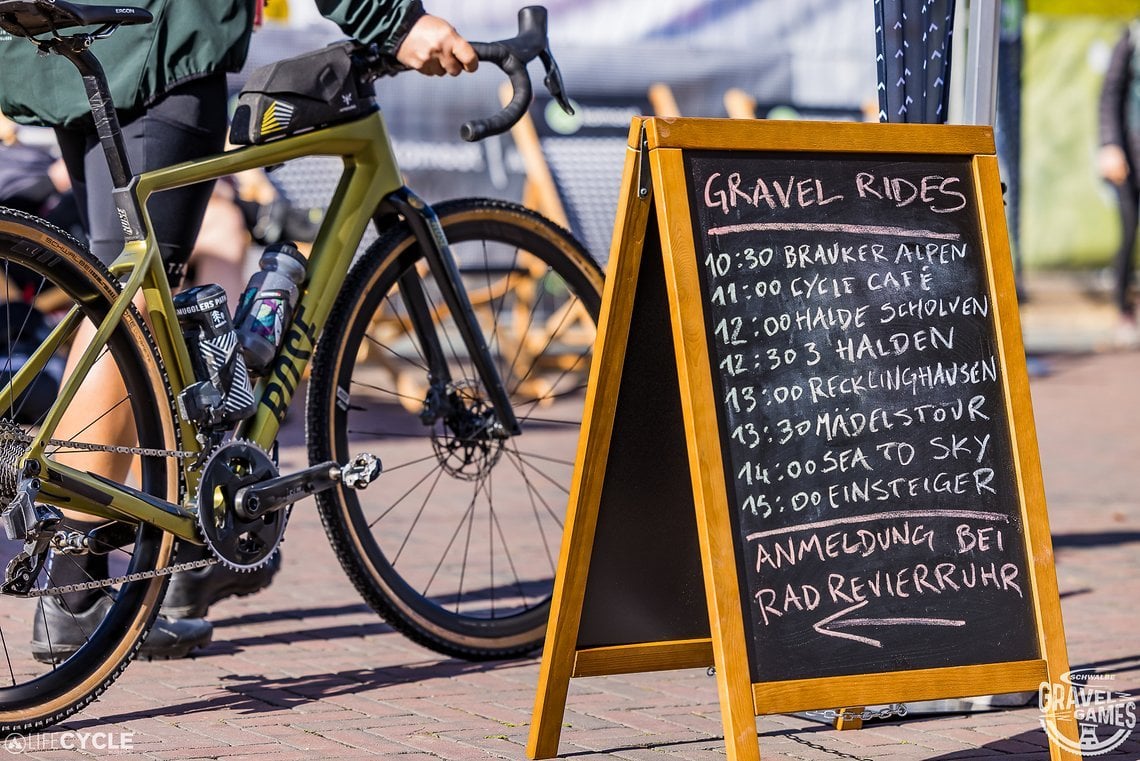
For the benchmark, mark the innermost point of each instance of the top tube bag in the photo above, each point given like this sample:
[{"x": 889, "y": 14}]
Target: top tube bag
[{"x": 298, "y": 94}]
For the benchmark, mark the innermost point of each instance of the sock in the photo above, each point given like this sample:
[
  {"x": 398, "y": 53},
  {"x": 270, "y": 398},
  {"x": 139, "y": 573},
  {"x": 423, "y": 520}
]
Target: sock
[{"x": 74, "y": 569}]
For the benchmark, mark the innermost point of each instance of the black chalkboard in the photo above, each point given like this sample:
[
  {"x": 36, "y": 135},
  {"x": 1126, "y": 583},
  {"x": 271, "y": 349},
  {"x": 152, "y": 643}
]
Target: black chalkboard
[
  {"x": 866, "y": 447},
  {"x": 644, "y": 582}
]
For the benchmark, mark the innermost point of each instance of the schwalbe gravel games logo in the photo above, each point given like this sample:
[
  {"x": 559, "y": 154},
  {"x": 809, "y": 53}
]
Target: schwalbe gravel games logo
[{"x": 1105, "y": 719}]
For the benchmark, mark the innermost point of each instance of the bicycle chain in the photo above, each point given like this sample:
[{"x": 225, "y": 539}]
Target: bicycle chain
[
  {"x": 83, "y": 586},
  {"x": 9, "y": 433},
  {"x": 12, "y": 434},
  {"x": 894, "y": 709}
]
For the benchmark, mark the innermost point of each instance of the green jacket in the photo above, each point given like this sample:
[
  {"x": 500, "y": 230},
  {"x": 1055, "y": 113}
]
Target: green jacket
[{"x": 188, "y": 39}]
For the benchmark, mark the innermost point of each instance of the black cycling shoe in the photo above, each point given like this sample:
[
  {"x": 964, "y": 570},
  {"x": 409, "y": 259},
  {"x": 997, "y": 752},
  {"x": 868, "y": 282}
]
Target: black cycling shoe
[
  {"x": 58, "y": 633},
  {"x": 191, "y": 593}
]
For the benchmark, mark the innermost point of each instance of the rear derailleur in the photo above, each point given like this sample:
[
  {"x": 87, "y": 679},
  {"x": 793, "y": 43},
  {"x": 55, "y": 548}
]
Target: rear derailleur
[{"x": 35, "y": 525}]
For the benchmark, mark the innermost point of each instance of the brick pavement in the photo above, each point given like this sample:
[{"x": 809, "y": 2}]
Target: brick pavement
[{"x": 304, "y": 670}]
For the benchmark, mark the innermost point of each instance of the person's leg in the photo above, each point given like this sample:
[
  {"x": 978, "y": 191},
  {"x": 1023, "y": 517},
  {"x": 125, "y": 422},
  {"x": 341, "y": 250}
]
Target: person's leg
[
  {"x": 188, "y": 123},
  {"x": 219, "y": 252},
  {"x": 1128, "y": 195},
  {"x": 1127, "y": 334}
]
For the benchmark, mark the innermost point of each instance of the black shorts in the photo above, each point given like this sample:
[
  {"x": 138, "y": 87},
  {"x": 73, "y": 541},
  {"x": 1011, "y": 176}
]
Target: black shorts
[{"x": 188, "y": 123}]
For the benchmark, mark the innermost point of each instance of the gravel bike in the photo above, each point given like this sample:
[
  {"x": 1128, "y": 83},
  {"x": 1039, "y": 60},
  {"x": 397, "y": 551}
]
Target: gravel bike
[{"x": 457, "y": 345}]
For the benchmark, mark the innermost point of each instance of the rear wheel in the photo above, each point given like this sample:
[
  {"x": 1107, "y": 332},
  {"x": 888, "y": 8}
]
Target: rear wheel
[
  {"x": 54, "y": 657},
  {"x": 456, "y": 544}
]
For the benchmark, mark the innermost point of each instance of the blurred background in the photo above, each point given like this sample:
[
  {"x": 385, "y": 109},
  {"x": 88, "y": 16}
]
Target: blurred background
[
  {"x": 757, "y": 59},
  {"x": 810, "y": 58}
]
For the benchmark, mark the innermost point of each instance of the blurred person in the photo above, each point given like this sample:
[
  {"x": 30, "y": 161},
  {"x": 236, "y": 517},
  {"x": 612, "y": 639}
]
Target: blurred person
[
  {"x": 168, "y": 84},
  {"x": 1119, "y": 114}
]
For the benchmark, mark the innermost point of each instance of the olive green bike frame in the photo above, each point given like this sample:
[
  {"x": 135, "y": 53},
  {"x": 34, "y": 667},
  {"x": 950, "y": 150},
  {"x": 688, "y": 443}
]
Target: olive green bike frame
[{"x": 370, "y": 174}]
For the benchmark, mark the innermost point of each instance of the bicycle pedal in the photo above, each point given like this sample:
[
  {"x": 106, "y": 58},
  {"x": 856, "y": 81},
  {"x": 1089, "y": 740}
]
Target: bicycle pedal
[
  {"x": 276, "y": 493},
  {"x": 362, "y": 471}
]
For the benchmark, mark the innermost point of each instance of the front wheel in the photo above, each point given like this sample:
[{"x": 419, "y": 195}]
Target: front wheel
[{"x": 456, "y": 544}]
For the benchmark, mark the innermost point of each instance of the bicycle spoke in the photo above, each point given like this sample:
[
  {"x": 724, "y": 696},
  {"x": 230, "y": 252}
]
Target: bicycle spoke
[
  {"x": 539, "y": 289},
  {"x": 7, "y": 657},
  {"x": 549, "y": 342},
  {"x": 467, "y": 514},
  {"x": 572, "y": 391},
  {"x": 494, "y": 519},
  {"x": 552, "y": 421},
  {"x": 390, "y": 392},
  {"x": 535, "y": 492},
  {"x": 440, "y": 318},
  {"x": 84, "y": 429},
  {"x": 545, "y": 458},
  {"x": 438, "y": 474},
  {"x": 391, "y": 307},
  {"x": 493, "y": 344},
  {"x": 466, "y": 550},
  {"x": 564, "y": 488}
]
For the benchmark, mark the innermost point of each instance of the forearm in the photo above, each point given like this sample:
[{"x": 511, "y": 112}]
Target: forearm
[{"x": 385, "y": 22}]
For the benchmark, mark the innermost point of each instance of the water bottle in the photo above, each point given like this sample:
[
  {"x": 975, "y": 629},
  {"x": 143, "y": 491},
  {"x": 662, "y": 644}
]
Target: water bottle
[
  {"x": 266, "y": 306},
  {"x": 223, "y": 394}
]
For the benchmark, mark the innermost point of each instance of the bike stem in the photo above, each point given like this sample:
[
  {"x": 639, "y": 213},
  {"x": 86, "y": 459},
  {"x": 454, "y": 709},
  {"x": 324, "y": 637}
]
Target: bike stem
[{"x": 429, "y": 234}]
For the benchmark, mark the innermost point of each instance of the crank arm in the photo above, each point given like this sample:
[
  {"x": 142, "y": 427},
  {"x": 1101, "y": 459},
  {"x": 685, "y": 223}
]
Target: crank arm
[{"x": 277, "y": 493}]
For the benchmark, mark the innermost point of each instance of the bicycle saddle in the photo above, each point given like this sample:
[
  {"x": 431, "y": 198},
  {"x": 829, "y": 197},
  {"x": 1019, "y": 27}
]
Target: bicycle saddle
[{"x": 29, "y": 18}]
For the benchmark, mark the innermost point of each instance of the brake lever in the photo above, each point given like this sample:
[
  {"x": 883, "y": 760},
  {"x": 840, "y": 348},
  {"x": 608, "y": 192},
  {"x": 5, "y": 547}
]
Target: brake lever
[{"x": 553, "y": 81}]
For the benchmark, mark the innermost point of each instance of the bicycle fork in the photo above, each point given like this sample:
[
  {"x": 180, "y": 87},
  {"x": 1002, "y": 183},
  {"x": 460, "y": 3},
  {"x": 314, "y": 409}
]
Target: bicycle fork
[{"x": 429, "y": 235}]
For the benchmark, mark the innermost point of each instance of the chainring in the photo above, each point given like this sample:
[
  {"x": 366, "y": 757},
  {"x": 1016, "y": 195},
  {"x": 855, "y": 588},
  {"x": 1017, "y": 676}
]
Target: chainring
[{"x": 243, "y": 545}]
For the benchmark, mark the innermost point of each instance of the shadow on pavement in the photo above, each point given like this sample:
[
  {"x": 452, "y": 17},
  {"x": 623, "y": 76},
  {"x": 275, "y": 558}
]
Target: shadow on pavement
[
  {"x": 252, "y": 694},
  {"x": 1001, "y": 749},
  {"x": 323, "y": 634},
  {"x": 293, "y": 613},
  {"x": 1096, "y": 539}
]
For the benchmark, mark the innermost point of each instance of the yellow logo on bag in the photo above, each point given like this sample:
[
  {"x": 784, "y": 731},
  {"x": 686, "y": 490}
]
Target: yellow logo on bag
[{"x": 276, "y": 117}]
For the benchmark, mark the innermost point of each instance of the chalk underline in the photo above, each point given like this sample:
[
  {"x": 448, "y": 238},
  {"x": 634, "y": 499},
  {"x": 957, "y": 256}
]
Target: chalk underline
[
  {"x": 892, "y": 515},
  {"x": 902, "y": 232}
]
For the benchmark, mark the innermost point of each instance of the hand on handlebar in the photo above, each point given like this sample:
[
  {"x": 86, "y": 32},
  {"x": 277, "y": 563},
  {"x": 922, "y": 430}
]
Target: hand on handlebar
[{"x": 433, "y": 47}]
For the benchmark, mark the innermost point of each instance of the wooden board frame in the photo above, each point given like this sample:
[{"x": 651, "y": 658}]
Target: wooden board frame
[{"x": 654, "y": 188}]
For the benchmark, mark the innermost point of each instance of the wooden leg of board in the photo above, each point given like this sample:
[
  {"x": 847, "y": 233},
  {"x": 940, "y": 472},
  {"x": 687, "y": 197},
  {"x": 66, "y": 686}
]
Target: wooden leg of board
[
  {"x": 589, "y": 467},
  {"x": 849, "y": 718},
  {"x": 550, "y": 705}
]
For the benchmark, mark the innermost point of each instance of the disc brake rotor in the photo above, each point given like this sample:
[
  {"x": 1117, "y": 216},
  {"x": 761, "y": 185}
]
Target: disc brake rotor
[{"x": 464, "y": 440}]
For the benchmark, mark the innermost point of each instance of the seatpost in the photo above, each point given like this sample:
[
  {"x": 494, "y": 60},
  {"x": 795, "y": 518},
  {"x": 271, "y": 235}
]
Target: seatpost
[{"x": 77, "y": 50}]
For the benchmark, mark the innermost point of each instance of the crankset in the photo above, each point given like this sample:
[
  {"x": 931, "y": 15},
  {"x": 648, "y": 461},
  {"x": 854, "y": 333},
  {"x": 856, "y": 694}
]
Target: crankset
[
  {"x": 242, "y": 500},
  {"x": 242, "y": 543}
]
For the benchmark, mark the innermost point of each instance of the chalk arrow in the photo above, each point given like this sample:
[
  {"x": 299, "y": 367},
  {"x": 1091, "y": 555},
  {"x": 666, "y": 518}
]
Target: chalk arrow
[{"x": 828, "y": 626}]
